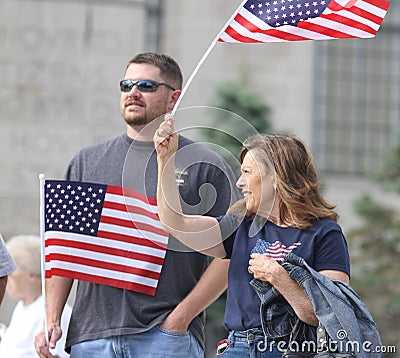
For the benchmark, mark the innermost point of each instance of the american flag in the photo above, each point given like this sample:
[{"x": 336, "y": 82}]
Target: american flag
[
  {"x": 103, "y": 234},
  {"x": 277, "y": 250},
  {"x": 299, "y": 20}
]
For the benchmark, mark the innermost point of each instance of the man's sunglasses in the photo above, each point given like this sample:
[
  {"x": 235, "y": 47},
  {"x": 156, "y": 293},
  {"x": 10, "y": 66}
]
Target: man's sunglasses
[{"x": 142, "y": 85}]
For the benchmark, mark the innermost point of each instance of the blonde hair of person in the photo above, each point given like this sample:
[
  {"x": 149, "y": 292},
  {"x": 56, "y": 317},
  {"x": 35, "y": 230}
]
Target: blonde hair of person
[
  {"x": 26, "y": 252},
  {"x": 296, "y": 180}
]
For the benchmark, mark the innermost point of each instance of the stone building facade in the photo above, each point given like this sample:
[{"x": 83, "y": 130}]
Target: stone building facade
[{"x": 61, "y": 61}]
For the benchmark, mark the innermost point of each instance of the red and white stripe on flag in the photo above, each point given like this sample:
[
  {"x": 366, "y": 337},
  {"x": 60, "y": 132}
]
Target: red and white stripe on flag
[
  {"x": 340, "y": 19},
  {"x": 103, "y": 234}
]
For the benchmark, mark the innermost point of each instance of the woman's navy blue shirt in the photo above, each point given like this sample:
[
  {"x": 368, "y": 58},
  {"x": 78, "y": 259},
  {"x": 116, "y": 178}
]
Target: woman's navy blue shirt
[{"x": 322, "y": 245}]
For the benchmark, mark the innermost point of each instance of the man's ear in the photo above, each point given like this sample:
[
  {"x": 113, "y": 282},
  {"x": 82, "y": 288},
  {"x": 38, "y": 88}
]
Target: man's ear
[{"x": 174, "y": 98}]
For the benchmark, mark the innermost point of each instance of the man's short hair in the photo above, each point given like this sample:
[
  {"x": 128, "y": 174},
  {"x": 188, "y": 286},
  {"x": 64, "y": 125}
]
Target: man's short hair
[{"x": 169, "y": 68}]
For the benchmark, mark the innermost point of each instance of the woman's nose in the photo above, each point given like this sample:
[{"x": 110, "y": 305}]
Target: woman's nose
[{"x": 240, "y": 182}]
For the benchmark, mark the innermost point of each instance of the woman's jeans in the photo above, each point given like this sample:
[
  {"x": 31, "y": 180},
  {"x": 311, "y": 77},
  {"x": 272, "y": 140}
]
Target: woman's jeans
[
  {"x": 155, "y": 343},
  {"x": 252, "y": 344}
]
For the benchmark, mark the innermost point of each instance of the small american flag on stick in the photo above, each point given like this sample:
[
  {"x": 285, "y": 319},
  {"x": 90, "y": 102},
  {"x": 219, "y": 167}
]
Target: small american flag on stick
[
  {"x": 103, "y": 234},
  {"x": 298, "y": 20}
]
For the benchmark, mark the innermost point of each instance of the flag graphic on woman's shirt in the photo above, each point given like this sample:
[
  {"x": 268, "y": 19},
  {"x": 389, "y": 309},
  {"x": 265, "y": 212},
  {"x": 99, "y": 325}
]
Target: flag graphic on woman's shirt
[
  {"x": 276, "y": 250},
  {"x": 103, "y": 234}
]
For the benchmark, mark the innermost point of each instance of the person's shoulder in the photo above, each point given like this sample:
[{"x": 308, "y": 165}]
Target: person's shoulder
[
  {"x": 229, "y": 224},
  {"x": 325, "y": 225},
  {"x": 7, "y": 264},
  {"x": 95, "y": 157},
  {"x": 105, "y": 145},
  {"x": 96, "y": 150}
]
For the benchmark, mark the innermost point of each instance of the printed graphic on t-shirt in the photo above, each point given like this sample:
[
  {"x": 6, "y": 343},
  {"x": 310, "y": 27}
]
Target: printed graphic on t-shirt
[
  {"x": 277, "y": 250},
  {"x": 180, "y": 176}
]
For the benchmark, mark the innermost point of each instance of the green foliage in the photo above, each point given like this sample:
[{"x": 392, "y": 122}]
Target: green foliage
[
  {"x": 375, "y": 249},
  {"x": 390, "y": 175},
  {"x": 229, "y": 130},
  {"x": 215, "y": 313},
  {"x": 237, "y": 98},
  {"x": 377, "y": 264},
  {"x": 375, "y": 215}
]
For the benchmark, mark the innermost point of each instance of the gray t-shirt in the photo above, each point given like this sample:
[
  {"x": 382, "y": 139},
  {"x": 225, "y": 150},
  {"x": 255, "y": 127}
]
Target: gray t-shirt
[
  {"x": 206, "y": 186},
  {"x": 7, "y": 264}
]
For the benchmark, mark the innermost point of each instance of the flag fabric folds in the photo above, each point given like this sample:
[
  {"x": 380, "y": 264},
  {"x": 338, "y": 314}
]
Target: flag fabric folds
[
  {"x": 103, "y": 234},
  {"x": 299, "y": 20}
]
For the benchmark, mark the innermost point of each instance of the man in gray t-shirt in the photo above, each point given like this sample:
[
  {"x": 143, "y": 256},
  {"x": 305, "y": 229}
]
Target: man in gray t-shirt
[
  {"x": 7, "y": 265},
  {"x": 108, "y": 321}
]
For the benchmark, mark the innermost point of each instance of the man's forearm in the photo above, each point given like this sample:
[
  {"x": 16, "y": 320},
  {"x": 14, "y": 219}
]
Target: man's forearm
[
  {"x": 57, "y": 291},
  {"x": 211, "y": 285}
]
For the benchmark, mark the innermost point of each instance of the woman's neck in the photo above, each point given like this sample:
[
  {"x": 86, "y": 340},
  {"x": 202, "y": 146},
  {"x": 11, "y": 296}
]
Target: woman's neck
[{"x": 278, "y": 222}]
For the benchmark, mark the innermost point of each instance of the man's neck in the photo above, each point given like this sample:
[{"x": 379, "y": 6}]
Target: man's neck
[{"x": 141, "y": 133}]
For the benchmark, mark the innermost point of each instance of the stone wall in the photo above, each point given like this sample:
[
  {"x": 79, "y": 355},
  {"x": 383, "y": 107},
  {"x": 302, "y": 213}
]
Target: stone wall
[{"x": 60, "y": 64}]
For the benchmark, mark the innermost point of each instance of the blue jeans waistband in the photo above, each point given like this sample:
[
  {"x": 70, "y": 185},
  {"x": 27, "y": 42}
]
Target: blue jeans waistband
[
  {"x": 253, "y": 334},
  {"x": 248, "y": 334}
]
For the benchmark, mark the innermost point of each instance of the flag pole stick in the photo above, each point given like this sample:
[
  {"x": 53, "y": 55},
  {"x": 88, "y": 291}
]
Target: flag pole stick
[
  {"x": 43, "y": 268},
  {"x": 204, "y": 57}
]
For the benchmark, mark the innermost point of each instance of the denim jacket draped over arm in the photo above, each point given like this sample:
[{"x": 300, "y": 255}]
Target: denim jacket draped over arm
[{"x": 337, "y": 307}]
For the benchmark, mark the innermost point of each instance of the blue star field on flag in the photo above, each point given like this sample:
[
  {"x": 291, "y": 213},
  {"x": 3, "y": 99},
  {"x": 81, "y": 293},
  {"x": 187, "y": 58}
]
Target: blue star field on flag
[
  {"x": 286, "y": 12},
  {"x": 74, "y": 206}
]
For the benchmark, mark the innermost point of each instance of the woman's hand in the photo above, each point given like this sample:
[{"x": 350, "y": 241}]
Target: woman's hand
[
  {"x": 265, "y": 268},
  {"x": 166, "y": 139},
  {"x": 269, "y": 270}
]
